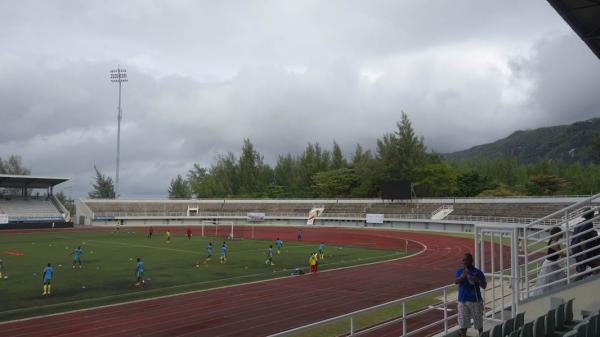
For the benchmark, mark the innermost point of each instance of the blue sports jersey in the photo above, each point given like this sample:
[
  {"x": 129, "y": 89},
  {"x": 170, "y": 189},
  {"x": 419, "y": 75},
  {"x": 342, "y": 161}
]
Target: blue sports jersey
[
  {"x": 209, "y": 249},
  {"x": 77, "y": 252},
  {"x": 224, "y": 250},
  {"x": 321, "y": 247},
  {"x": 468, "y": 291},
  {"x": 270, "y": 252},
  {"x": 47, "y": 273},
  {"x": 278, "y": 243},
  {"x": 140, "y": 266}
]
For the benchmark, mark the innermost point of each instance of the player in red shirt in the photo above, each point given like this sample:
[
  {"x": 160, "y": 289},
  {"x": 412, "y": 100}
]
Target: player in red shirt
[
  {"x": 150, "y": 232},
  {"x": 189, "y": 233}
]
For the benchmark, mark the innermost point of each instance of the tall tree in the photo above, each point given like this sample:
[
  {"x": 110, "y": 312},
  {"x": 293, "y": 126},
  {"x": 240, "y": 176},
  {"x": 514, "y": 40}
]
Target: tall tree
[
  {"x": 337, "y": 157},
  {"x": 471, "y": 183},
  {"x": 13, "y": 165},
  {"x": 402, "y": 153},
  {"x": 335, "y": 183},
  {"x": 595, "y": 148},
  {"x": 285, "y": 173},
  {"x": 103, "y": 187},
  {"x": 197, "y": 177},
  {"x": 250, "y": 165},
  {"x": 360, "y": 156},
  {"x": 179, "y": 188},
  {"x": 546, "y": 184}
]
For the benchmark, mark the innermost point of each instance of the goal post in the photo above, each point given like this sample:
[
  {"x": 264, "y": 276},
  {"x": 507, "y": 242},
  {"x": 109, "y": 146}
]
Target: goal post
[{"x": 218, "y": 229}]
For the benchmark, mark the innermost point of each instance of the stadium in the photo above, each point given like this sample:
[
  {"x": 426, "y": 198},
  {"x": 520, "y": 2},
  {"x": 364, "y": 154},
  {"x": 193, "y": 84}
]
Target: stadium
[{"x": 300, "y": 267}]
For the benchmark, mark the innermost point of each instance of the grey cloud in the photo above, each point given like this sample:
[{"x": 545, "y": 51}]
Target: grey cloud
[{"x": 205, "y": 75}]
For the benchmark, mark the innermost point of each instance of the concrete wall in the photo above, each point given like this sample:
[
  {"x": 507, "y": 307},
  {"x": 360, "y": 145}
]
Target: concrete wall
[
  {"x": 417, "y": 225},
  {"x": 584, "y": 292}
]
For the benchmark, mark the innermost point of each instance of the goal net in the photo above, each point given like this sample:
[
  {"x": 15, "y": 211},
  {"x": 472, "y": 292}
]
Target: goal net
[
  {"x": 219, "y": 229},
  {"x": 227, "y": 230}
]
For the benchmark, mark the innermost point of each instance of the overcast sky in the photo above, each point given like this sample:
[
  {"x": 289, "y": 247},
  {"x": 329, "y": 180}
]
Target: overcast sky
[{"x": 203, "y": 75}]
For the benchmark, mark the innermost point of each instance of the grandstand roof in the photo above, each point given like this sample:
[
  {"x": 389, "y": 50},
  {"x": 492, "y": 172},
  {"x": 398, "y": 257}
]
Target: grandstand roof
[
  {"x": 584, "y": 17},
  {"x": 17, "y": 181}
]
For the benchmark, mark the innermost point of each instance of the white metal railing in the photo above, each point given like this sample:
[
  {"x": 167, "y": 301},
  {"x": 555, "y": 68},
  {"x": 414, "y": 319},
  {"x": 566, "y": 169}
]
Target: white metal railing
[
  {"x": 499, "y": 219},
  {"x": 540, "y": 274},
  {"x": 403, "y": 315}
]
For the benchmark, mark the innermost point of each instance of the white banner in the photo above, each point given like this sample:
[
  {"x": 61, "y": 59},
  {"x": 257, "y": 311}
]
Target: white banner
[
  {"x": 310, "y": 221},
  {"x": 375, "y": 218},
  {"x": 256, "y": 217},
  {"x": 3, "y": 218}
]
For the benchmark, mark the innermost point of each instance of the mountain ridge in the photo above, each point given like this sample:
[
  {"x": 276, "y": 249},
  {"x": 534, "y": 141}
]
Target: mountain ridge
[{"x": 569, "y": 143}]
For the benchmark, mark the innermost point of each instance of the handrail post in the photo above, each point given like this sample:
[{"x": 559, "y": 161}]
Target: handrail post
[
  {"x": 404, "y": 333},
  {"x": 445, "y": 311},
  {"x": 568, "y": 249},
  {"x": 351, "y": 326},
  {"x": 502, "y": 275},
  {"x": 526, "y": 253}
]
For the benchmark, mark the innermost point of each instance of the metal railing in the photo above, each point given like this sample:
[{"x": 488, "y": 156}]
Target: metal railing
[
  {"x": 500, "y": 219},
  {"x": 403, "y": 316},
  {"x": 543, "y": 272}
]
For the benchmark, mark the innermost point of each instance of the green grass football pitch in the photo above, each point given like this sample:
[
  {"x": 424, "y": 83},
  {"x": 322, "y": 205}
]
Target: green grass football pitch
[{"x": 108, "y": 273}]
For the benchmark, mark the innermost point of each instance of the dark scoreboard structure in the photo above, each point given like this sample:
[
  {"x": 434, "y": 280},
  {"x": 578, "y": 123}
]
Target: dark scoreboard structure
[{"x": 396, "y": 190}]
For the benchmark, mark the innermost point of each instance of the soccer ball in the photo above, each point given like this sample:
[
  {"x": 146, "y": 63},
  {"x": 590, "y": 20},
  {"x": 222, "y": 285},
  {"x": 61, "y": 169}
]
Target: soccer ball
[{"x": 5, "y": 277}]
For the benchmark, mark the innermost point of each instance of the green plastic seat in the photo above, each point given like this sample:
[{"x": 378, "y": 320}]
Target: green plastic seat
[
  {"x": 539, "y": 327},
  {"x": 527, "y": 330},
  {"x": 486, "y": 333},
  {"x": 550, "y": 322},
  {"x": 519, "y": 321},
  {"x": 514, "y": 333},
  {"x": 569, "y": 319},
  {"x": 571, "y": 333},
  {"x": 593, "y": 325},
  {"x": 582, "y": 329},
  {"x": 560, "y": 318},
  {"x": 508, "y": 327},
  {"x": 497, "y": 331}
]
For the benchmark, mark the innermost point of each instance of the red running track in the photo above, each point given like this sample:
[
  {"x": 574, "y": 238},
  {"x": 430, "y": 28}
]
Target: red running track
[{"x": 263, "y": 308}]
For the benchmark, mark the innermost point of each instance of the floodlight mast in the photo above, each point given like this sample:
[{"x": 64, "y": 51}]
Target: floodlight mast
[{"x": 118, "y": 76}]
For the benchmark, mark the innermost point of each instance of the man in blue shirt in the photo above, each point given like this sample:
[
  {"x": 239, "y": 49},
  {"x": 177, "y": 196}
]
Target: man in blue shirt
[
  {"x": 77, "y": 256},
  {"x": 139, "y": 272},
  {"x": 278, "y": 245},
  {"x": 322, "y": 250},
  {"x": 270, "y": 256},
  {"x": 47, "y": 273},
  {"x": 223, "y": 253},
  {"x": 470, "y": 303}
]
